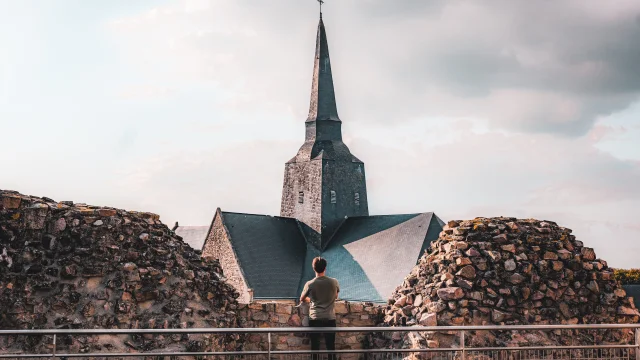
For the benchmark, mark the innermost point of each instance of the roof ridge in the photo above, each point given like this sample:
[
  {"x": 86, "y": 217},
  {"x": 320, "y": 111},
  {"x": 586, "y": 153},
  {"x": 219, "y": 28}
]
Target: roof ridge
[
  {"x": 401, "y": 214},
  {"x": 334, "y": 233},
  {"x": 251, "y": 214}
]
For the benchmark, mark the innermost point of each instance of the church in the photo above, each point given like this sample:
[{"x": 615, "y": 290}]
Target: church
[{"x": 324, "y": 212}]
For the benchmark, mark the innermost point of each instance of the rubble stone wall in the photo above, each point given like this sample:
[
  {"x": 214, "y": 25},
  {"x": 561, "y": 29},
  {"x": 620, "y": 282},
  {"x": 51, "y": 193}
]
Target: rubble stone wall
[
  {"x": 68, "y": 266},
  {"x": 284, "y": 314},
  {"x": 509, "y": 271}
]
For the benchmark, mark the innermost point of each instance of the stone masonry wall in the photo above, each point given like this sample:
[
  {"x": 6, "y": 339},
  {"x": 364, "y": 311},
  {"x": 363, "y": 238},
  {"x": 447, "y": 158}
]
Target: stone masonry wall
[
  {"x": 508, "y": 271},
  {"x": 218, "y": 246},
  {"x": 306, "y": 178},
  {"x": 66, "y": 265},
  {"x": 345, "y": 178},
  {"x": 316, "y": 180},
  {"x": 284, "y": 314}
]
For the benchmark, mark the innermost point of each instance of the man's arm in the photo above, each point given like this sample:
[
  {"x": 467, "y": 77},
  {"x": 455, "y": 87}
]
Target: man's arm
[{"x": 305, "y": 293}]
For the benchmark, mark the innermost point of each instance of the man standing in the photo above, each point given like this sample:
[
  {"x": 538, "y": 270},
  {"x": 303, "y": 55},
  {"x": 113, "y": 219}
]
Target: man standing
[{"x": 323, "y": 292}]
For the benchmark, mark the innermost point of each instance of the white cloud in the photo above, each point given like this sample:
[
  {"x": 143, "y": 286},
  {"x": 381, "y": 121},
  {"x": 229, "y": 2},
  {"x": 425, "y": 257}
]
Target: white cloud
[
  {"x": 525, "y": 66},
  {"x": 145, "y": 92}
]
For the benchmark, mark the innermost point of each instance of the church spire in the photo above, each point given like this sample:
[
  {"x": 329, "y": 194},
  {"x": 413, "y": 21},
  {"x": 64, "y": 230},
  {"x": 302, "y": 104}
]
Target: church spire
[
  {"x": 323, "y": 98},
  {"x": 324, "y": 183}
]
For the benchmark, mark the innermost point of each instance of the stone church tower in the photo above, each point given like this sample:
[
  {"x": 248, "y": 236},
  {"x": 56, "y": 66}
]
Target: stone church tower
[
  {"x": 324, "y": 212},
  {"x": 324, "y": 183}
]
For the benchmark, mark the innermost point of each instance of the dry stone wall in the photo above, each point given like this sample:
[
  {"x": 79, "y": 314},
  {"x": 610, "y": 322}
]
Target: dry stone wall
[
  {"x": 68, "y": 266},
  {"x": 508, "y": 271},
  {"x": 285, "y": 314}
]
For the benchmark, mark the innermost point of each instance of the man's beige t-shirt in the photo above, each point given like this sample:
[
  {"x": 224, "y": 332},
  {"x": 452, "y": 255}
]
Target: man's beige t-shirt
[{"x": 323, "y": 292}]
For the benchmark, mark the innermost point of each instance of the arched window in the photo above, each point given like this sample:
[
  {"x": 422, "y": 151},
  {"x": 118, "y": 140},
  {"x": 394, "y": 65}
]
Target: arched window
[
  {"x": 300, "y": 197},
  {"x": 333, "y": 197},
  {"x": 356, "y": 198}
]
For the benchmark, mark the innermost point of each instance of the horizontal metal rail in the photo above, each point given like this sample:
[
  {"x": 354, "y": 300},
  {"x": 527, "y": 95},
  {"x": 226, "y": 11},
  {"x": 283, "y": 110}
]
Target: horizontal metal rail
[
  {"x": 300, "y": 352},
  {"x": 312, "y": 329},
  {"x": 320, "y": 352},
  {"x": 628, "y": 348}
]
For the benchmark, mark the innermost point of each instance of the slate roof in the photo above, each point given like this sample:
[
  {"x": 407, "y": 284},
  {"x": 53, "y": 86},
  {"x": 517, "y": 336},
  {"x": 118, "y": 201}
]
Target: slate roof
[
  {"x": 193, "y": 235},
  {"x": 368, "y": 255},
  {"x": 371, "y": 255},
  {"x": 270, "y": 250},
  {"x": 634, "y": 291}
]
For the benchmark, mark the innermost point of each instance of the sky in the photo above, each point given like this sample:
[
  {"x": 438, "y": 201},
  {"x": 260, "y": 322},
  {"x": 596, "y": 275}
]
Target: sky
[{"x": 497, "y": 108}]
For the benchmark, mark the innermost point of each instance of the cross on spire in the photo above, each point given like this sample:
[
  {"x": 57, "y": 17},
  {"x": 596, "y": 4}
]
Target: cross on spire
[{"x": 321, "y": 2}]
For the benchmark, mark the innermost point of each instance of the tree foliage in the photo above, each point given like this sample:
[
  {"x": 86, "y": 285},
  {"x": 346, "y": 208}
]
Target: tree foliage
[{"x": 628, "y": 276}]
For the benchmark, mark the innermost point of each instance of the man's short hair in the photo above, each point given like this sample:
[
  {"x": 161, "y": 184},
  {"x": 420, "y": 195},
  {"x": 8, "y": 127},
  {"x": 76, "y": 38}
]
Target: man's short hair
[{"x": 319, "y": 264}]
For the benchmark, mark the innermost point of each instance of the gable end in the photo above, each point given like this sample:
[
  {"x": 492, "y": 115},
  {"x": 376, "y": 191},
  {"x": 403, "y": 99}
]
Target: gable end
[{"x": 218, "y": 246}]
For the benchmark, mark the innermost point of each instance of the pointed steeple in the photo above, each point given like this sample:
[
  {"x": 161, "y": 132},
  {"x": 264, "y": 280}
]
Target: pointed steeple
[
  {"x": 324, "y": 183},
  {"x": 323, "y": 98}
]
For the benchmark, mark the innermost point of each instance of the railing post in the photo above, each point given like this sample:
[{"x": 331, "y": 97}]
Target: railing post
[
  {"x": 269, "y": 345},
  {"x": 637, "y": 343},
  {"x": 462, "y": 344},
  {"x": 54, "y": 347}
]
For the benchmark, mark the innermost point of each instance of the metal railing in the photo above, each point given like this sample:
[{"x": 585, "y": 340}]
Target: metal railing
[{"x": 628, "y": 351}]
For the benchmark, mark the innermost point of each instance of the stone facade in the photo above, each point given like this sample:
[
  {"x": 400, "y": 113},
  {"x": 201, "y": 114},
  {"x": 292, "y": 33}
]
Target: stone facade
[
  {"x": 321, "y": 194},
  {"x": 217, "y": 246},
  {"x": 285, "y": 314},
  {"x": 303, "y": 179},
  {"x": 344, "y": 181}
]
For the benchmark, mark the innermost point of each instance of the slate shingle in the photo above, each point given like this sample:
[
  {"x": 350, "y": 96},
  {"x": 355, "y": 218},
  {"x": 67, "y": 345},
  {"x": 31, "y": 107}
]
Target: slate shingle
[
  {"x": 270, "y": 250},
  {"x": 369, "y": 255},
  {"x": 634, "y": 291}
]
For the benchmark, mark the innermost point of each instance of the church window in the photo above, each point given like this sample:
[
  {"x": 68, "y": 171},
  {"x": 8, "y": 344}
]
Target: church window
[
  {"x": 333, "y": 197},
  {"x": 357, "y": 199},
  {"x": 301, "y": 197}
]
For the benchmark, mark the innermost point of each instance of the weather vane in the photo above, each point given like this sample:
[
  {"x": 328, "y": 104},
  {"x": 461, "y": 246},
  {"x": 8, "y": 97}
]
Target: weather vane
[{"x": 321, "y": 2}]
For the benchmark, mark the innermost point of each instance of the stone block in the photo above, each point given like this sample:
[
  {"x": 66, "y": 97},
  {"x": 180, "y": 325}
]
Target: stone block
[
  {"x": 107, "y": 212},
  {"x": 451, "y": 293},
  {"x": 260, "y": 316},
  {"x": 10, "y": 201},
  {"x": 294, "y": 320},
  {"x": 341, "y": 307},
  {"x": 294, "y": 342},
  {"x": 356, "y": 307},
  {"x": 283, "y": 308}
]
